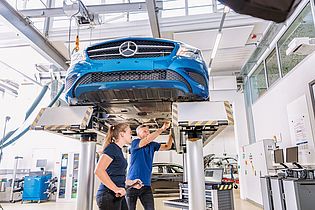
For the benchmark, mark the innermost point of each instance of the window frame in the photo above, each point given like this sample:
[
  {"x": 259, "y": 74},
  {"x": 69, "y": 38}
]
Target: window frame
[
  {"x": 251, "y": 85},
  {"x": 274, "y": 45}
]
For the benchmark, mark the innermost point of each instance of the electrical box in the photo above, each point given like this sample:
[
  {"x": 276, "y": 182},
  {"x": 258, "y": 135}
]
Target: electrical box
[{"x": 257, "y": 161}]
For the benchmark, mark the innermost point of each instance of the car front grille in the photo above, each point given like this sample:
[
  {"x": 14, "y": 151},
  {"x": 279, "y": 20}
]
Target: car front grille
[
  {"x": 198, "y": 78},
  {"x": 146, "y": 48},
  {"x": 169, "y": 94},
  {"x": 163, "y": 74},
  {"x": 70, "y": 81}
]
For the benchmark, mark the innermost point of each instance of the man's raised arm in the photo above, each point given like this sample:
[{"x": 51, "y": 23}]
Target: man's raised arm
[
  {"x": 168, "y": 145},
  {"x": 153, "y": 135}
]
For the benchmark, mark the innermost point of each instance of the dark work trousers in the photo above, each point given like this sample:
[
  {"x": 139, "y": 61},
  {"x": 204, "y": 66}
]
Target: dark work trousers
[
  {"x": 145, "y": 195},
  {"x": 107, "y": 201}
]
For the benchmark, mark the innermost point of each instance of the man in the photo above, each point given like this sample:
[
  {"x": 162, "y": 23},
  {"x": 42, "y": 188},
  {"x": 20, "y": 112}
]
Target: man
[{"x": 142, "y": 152}]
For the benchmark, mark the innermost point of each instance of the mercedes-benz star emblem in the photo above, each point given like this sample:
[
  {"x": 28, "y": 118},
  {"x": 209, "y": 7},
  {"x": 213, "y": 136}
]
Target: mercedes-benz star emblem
[{"x": 128, "y": 49}]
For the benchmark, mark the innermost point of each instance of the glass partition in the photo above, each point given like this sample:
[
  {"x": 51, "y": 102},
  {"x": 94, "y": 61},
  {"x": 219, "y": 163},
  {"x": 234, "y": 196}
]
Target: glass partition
[
  {"x": 303, "y": 26},
  {"x": 272, "y": 67},
  {"x": 258, "y": 82}
]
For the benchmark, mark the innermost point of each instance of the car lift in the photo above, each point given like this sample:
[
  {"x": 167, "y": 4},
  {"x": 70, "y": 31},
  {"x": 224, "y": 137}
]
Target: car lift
[
  {"x": 75, "y": 121},
  {"x": 194, "y": 125}
]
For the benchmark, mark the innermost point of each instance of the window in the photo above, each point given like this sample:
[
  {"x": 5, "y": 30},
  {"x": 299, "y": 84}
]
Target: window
[
  {"x": 177, "y": 169},
  {"x": 258, "y": 82},
  {"x": 303, "y": 26},
  {"x": 169, "y": 170},
  {"x": 272, "y": 68}
]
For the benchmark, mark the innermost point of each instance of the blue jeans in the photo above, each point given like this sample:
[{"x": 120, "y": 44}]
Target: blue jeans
[
  {"x": 145, "y": 195},
  {"x": 107, "y": 201}
]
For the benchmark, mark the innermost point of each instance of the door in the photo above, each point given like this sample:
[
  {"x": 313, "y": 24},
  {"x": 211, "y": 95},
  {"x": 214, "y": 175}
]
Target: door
[{"x": 63, "y": 176}]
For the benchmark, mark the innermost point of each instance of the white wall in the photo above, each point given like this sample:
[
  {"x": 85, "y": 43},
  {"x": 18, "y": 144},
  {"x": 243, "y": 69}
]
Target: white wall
[
  {"x": 167, "y": 156},
  {"x": 240, "y": 128},
  {"x": 34, "y": 144},
  {"x": 38, "y": 145},
  {"x": 270, "y": 111},
  {"x": 241, "y": 136},
  {"x": 224, "y": 143}
]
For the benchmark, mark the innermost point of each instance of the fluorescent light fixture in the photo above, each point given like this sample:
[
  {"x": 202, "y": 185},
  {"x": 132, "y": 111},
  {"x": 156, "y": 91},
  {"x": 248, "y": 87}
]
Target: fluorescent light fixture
[
  {"x": 216, "y": 45},
  {"x": 209, "y": 70}
]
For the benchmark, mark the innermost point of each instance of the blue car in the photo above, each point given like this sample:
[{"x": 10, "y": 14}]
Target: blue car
[{"x": 137, "y": 69}]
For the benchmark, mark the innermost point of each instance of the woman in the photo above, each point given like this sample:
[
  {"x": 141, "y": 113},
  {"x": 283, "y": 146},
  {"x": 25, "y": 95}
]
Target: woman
[{"x": 111, "y": 169}]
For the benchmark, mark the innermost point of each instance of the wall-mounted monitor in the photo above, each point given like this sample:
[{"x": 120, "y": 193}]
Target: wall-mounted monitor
[
  {"x": 41, "y": 163},
  {"x": 278, "y": 156},
  {"x": 292, "y": 155}
]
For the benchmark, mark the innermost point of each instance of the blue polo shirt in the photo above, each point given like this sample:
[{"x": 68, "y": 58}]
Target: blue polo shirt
[
  {"x": 116, "y": 169},
  {"x": 141, "y": 161}
]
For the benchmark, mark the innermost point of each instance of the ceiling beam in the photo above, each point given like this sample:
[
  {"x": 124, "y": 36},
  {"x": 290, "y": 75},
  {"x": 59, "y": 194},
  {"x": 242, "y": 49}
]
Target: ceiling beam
[
  {"x": 48, "y": 21},
  {"x": 153, "y": 18},
  {"x": 39, "y": 43},
  {"x": 142, "y": 27},
  {"x": 93, "y": 9}
]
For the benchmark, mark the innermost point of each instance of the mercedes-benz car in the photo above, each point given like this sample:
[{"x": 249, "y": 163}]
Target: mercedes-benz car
[
  {"x": 137, "y": 69},
  {"x": 166, "y": 177}
]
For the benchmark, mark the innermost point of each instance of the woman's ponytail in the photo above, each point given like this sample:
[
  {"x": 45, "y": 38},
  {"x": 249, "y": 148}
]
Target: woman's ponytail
[{"x": 113, "y": 133}]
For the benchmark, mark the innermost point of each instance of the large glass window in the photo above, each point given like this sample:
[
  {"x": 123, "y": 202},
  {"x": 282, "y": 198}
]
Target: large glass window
[
  {"x": 258, "y": 82},
  {"x": 272, "y": 67},
  {"x": 302, "y": 26}
]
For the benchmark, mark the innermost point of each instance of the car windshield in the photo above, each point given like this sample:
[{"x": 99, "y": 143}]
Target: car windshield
[
  {"x": 177, "y": 169},
  {"x": 167, "y": 169}
]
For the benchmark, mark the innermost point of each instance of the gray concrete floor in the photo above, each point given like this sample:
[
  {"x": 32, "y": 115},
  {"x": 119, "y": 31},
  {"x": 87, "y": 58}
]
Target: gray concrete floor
[{"x": 50, "y": 205}]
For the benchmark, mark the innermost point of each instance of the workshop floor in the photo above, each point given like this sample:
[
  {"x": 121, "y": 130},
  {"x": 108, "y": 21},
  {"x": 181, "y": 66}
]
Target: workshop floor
[{"x": 239, "y": 205}]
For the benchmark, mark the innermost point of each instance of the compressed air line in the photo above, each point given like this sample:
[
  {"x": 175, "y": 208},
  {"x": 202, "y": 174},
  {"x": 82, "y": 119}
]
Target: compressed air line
[{"x": 36, "y": 102}]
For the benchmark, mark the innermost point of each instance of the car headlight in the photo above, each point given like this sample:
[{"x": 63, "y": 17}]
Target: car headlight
[
  {"x": 189, "y": 52},
  {"x": 77, "y": 57}
]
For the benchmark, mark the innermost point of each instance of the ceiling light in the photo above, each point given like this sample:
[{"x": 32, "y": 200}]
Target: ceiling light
[
  {"x": 209, "y": 70},
  {"x": 216, "y": 45}
]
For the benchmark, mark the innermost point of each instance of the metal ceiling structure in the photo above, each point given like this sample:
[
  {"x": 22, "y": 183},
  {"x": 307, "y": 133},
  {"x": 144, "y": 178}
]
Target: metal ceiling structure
[
  {"x": 40, "y": 43},
  {"x": 51, "y": 28}
]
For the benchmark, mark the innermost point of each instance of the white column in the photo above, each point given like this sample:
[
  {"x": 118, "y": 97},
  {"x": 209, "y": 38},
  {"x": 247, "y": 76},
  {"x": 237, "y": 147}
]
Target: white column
[
  {"x": 196, "y": 176},
  {"x": 86, "y": 174}
]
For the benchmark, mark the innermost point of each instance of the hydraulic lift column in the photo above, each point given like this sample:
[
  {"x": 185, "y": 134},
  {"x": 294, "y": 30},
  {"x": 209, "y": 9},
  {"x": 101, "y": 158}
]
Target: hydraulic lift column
[
  {"x": 196, "y": 176},
  {"x": 86, "y": 172},
  {"x": 195, "y": 124},
  {"x": 72, "y": 121}
]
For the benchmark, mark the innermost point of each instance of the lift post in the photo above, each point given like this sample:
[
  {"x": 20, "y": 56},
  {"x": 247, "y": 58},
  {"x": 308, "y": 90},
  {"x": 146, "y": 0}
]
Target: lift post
[
  {"x": 86, "y": 176},
  {"x": 196, "y": 176},
  {"x": 75, "y": 121},
  {"x": 195, "y": 124}
]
